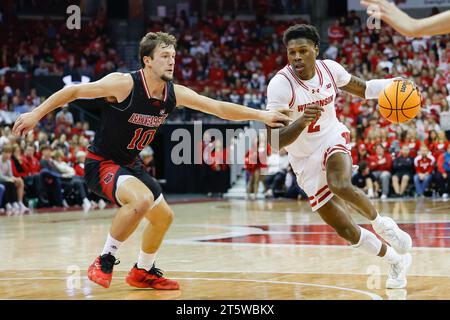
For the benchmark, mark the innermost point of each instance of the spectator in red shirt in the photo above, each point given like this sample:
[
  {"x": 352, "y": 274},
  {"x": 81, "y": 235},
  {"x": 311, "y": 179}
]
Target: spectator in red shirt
[
  {"x": 30, "y": 162},
  {"x": 363, "y": 155},
  {"x": 432, "y": 141},
  {"x": 412, "y": 142},
  {"x": 31, "y": 173},
  {"x": 381, "y": 164},
  {"x": 253, "y": 164},
  {"x": 79, "y": 163},
  {"x": 336, "y": 32},
  {"x": 16, "y": 162},
  {"x": 424, "y": 164},
  {"x": 441, "y": 143},
  {"x": 216, "y": 73}
]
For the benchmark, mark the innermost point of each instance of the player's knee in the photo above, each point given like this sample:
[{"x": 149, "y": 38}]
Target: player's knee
[
  {"x": 167, "y": 218},
  {"x": 340, "y": 187},
  {"x": 142, "y": 204}
]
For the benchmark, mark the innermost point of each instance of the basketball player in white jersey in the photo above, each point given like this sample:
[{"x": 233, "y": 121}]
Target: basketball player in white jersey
[{"x": 319, "y": 150}]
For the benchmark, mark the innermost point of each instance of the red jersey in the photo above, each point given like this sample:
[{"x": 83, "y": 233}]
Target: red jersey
[
  {"x": 79, "y": 169},
  {"x": 375, "y": 165},
  {"x": 424, "y": 164}
]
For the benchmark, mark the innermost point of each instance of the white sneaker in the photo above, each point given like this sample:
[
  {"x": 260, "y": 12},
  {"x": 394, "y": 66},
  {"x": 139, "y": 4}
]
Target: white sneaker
[
  {"x": 396, "y": 237},
  {"x": 9, "y": 209},
  {"x": 383, "y": 197},
  {"x": 397, "y": 273},
  {"x": 23, "y": 209},
  {"x": 94, "y": 204},
  {"x": 269, "y": 194},
  {"x": 445, "y": 196},
  {"x": 65, "y": 204},
  {"x": 101, "y": 204},
  {"x": 396, "y": 294},
  {"x": 86, "y": 205},
  {"x": 15, "y": 208}
]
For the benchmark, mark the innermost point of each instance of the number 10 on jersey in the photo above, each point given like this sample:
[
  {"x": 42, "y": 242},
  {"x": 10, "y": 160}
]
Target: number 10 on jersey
[{"x": 141, "y": 139}]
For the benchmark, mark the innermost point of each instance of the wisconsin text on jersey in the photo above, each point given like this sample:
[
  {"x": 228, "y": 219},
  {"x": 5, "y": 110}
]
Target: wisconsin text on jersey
[{"x": 321, "y": 102}]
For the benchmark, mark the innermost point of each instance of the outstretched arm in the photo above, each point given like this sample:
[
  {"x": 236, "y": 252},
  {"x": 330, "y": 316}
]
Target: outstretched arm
[
  {"x": 226, "y": 110},
  {"x": 404, "y": 24},
  {"x": 367, "y": 89},
  {"x": 354, "y": 85},
  {"x": 115, "y": 84}
]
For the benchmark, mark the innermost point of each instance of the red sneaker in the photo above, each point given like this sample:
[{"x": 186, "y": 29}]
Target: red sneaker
[
  {"x": 101, "y": 270},
  {"x": 142, "y": 278}
]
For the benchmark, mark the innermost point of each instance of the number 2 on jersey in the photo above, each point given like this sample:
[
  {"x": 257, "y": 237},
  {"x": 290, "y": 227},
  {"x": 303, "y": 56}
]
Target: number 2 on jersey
[
  {"x": 312, "y": 126},
  {"x": 141, "y": 139}
]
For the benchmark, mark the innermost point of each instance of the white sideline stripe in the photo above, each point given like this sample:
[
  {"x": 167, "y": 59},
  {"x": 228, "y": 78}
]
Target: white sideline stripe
[{"x": 373, "y": 296}]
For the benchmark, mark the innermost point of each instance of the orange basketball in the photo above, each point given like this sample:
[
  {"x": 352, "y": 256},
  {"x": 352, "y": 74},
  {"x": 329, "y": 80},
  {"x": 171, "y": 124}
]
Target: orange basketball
[{"x": 399, "y": 102}]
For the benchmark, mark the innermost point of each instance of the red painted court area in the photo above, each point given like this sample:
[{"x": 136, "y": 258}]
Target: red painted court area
[{"x": 423, "y": 234}]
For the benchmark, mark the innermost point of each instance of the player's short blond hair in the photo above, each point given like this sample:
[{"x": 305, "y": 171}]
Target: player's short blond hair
[{"x": 153, "y": 39}]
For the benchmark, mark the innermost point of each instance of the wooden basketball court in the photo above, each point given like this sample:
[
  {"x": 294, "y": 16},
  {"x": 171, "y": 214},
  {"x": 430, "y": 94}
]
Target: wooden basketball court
[{"x": 226, "y": 250}]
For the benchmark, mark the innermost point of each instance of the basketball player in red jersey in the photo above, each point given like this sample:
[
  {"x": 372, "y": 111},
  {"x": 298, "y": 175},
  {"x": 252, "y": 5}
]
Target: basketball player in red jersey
[{"x": 139, "y": 103}]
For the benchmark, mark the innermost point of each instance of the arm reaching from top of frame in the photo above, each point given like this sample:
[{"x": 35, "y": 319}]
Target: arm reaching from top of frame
[{"x": 406, "y": 25}]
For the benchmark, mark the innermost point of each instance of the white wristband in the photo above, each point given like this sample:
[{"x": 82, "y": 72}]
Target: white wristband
[{"x": 374, "y": 87}]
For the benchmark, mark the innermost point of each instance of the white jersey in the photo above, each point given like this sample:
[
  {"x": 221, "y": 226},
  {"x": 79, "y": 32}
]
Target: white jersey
[{"x": 287, "y": 90}]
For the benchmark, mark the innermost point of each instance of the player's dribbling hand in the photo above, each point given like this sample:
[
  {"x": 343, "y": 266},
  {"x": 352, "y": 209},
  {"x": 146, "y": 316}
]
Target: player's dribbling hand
[
  {"x": 277, "y": 118},
  {"x": 310, "y": 114},
  {"x": 24, "y": 123}
]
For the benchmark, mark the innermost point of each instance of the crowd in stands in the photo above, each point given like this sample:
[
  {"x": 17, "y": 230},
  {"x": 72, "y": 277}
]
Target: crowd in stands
[
  {"x": 47, "y": 47},
  {"x": 233, "y": 61}
]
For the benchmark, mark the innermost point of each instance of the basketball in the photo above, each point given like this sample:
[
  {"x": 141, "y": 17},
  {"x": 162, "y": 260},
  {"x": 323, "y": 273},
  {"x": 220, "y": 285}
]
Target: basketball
[{"x": 399, "y": 102}]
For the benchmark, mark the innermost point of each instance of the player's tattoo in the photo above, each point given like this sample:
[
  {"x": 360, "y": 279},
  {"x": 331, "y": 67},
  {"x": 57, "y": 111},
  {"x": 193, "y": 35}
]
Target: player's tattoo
[{"x": 356, "y": 86}]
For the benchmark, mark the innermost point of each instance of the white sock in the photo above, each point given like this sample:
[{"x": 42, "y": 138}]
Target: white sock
[
  {"x": 368, "y": 243},
  {"x": 375, "y": 222},
  {"x": 111, "y": 246},
  {"x": 146, "y": 260},
  {"x": 391, "y": 255}
]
